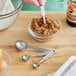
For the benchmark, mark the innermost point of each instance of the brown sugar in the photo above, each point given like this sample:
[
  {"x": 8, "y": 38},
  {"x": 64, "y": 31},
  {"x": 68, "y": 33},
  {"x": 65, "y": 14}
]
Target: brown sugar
[{"x": 51, "y": 26}]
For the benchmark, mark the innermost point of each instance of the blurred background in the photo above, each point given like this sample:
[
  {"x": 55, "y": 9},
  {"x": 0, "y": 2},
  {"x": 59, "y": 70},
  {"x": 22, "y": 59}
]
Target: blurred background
[{"x": 51, "y": 5}]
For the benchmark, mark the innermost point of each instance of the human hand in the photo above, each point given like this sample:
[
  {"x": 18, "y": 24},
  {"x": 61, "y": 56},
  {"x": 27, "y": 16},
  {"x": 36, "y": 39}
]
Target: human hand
[{"x": 37, "y": 3}]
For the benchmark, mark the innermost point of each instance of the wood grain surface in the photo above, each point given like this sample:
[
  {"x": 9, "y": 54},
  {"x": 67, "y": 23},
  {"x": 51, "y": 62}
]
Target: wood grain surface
[{"x": 64, "y": 43}]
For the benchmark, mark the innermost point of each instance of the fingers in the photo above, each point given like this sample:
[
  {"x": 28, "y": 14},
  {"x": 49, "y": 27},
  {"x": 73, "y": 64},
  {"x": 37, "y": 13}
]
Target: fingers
[
  {"x": 37, "y": 3},
  {"x": 34, "y": 2},
  {"x": 27, "y": 1},
  {"x": 42, "y": 2}
]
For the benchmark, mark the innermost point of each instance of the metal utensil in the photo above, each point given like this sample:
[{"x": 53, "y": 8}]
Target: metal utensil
[
  {"x": 27, "y": 57},
  {"x": 37, "y": 64},
  {"x": 21, "y": 45},
  {"x": 43, "y": 13}
]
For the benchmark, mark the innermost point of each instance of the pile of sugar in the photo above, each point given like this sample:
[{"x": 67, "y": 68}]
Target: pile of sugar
[{"x": 6, "y": 7}]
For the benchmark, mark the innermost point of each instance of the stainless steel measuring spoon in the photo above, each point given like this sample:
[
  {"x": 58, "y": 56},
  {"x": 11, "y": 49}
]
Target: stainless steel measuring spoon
[
  {"x": 37, "y": 64},
  {"x": 27, "y": 57},
  {"x": 43, "y": 13},
  {"x": 21, "y": 45}
]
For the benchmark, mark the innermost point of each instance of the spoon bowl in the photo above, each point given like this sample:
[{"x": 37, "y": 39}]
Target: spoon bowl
[
  {"x": 36, "y": 65},
  {"x": 25, "y": 57},
  {"x": 21, "y": 45}
]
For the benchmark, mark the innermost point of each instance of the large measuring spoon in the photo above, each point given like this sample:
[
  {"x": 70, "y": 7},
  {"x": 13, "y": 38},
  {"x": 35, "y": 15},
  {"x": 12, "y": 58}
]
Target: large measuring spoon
[
  {"x": 27, "y": 57},
  {"x": 21, "y": 45},
  {"x": 37, "y": 64}
]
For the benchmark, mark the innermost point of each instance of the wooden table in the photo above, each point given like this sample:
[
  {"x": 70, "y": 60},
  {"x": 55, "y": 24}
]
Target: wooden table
[{"x": 65, "y": 43}]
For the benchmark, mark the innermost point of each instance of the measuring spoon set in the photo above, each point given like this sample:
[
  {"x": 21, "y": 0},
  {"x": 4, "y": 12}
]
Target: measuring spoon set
[{"x": 21, "y": 45}]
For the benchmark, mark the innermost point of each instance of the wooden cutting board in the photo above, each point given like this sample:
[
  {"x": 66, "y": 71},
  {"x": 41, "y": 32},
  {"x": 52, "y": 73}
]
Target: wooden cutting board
[{"x": 64, "y": 43}]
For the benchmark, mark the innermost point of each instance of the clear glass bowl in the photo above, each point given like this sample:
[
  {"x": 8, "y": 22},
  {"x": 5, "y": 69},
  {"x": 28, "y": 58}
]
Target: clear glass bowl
[
  {"x": 7, "y": 19},
  {"x": 43, "y": 38},
  {"x": 7, "y": 58}
]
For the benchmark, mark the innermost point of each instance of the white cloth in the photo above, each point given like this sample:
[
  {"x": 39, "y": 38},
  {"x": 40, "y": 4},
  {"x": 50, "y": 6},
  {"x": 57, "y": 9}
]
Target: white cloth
[{"x": 67, "y": 69}]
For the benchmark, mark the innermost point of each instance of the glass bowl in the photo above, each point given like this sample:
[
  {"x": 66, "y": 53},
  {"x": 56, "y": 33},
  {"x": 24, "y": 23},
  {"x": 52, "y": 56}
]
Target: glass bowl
[
  {"x": 43, "y": 38},
  {"x": 7, "y": 58},
  {"x": 8, "y": 18}
]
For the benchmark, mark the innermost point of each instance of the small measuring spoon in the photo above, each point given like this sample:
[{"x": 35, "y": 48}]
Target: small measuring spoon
[
  {"x": 21, "y": 45},
  {"x": 27, "y": 57},
  {"x": 37, "y": 64},
  {"x": 43, "y": 13}
]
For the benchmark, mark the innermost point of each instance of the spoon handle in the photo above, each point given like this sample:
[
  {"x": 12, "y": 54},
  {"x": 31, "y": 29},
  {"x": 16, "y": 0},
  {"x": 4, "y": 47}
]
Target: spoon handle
[
  {"x": 43, "y": 13},
  {"x": 38, "y": 49},
  {"x": 40, "y": 54},
  {"x": 48, "y": 55}
]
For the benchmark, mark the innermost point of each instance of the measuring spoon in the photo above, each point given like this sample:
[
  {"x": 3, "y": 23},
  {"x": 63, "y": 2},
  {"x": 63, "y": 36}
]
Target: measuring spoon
[
  {"x": 37, "y": 64},
  {"x": 27, "y": 57},
  {"x": 43, "y": 13},
  {"x": 21, "y": 45}
]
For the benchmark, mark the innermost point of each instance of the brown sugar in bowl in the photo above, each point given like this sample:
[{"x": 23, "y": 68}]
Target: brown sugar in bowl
[{"x": 44, "y": 32}]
